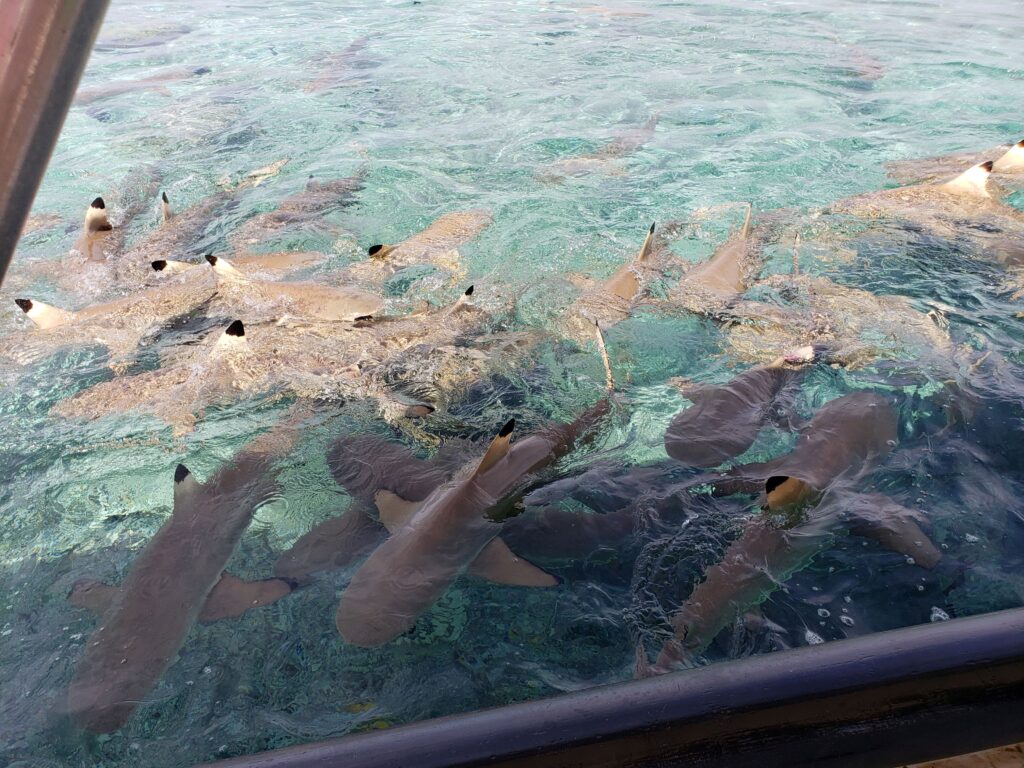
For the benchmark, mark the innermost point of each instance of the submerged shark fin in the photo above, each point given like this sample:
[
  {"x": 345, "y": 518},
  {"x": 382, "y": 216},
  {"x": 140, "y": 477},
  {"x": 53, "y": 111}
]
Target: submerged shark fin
[
  {"x": 497, "y": 449},
  {"x": 895, "y": 527},
  {"x": 93, "y": 595},
  {"x": 379, "y": 251},
  {"x": 647, "y": 247},
  {"x": 185, "y": 485},
  {"x": 394, "y": 510},
  {"x": 497, "y": 563},
  {"x": 43, "y": 315},
  {"x": 96, "y": 217},
  {"x": 609, "y": 379},
  {"x": 972, "y": 182},
  {"x": 782, "y": 491},
  {"x": 165, "y": 207},
  {"x": 231, "y": 597}
]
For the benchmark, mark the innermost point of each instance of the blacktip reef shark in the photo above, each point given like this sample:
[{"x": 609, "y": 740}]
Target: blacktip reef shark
[
  {"x": 962, "y": 208},
  {"x": 323, "y": 360},
  {"x": 155, "y": 83},
  {"x": 435, "y": 246},
  {"x": 435, "y": 540},
  {"x": 805, "y": 491},
  {"x": 724, "y": 420},
  {"x": 336, "y": 68},
  {"x": 1007, "y": 168},
  {"x": 285, "y": 299},
  {"x": 606, "y": 158},
  {"x": 316, "y": 199},
  {"x": 119, "y": 325},
  {"x": 176, "y": 580}
]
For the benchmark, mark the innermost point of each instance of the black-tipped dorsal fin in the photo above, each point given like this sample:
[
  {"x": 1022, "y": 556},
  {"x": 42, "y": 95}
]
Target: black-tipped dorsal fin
[
  {"x": 185, "y": 485},
  {"x": 43, "y": 315},
  {"x": 98, "y": 203},
  {"x": 498, "y": 448},
  {"x": 235, "y": 329},
  {"x": 394, "y": 510},
  {"x": 468, "y": 291},
  {"x": 159, "y": 265},
  {"x": 373, "y": 250},
  {"x": 972, "y": 182}
]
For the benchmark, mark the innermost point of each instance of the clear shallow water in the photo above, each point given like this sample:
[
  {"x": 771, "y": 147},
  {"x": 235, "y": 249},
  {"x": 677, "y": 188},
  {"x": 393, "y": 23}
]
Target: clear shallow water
[{"x": 453, "y": 106}]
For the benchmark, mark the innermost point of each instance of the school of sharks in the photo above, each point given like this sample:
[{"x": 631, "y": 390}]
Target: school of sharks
[
  {"x": 417, "y": 524},
  {"x": 439, "y": 491}
]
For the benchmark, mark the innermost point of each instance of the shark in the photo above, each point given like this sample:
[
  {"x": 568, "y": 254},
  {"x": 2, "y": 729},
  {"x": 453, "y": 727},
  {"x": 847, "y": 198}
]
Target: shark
[
  {"x": 1007, "y": 168},
  {"x": 806, "y": 496},
  {"x": 436, "y": 246},
  {"x": 433, "y": 541},
  {"x": 962, "y": 208},
  {"x": 336, "y": 69},
  {"x": 724, "y": 420},
  {"x": 305, "y": 300},
  {"x": 177, "y": 579},
  {"x": 155, "y": 83},
  {"x": 316, "y": 199},
  {"x": 120, "y": 325},
  {"x": 605, "y": 159}
]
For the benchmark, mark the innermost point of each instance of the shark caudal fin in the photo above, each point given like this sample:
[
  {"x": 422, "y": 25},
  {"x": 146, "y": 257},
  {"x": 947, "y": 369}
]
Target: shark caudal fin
[
  {"x": 1012, "y": 161},
  {"x": 43, "y": 315},
  {"x": 222, "y": 266},
  {"x": 185, "y": 486},
  {"x": 498, "y": 448},
  {"x": 609, "y": 379},
  {"x": 647, "y": 247},
  {"x": 165, "y": 207},
  {"x": 96, "y": 217},
  {"x": 972, "y": 182}
]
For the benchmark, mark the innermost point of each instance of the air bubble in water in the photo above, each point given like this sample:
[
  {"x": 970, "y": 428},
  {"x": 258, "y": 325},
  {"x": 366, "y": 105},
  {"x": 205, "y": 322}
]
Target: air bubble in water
[
  {"x": 824, "y": 613},
  {"x": 938, "y": 614},
  {"x": 847, "y": 620},
  {"x": 813, "y": 638}
]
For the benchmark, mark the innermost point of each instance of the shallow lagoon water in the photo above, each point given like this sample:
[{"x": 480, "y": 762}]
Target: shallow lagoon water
[{"x": 448, "y": 106}]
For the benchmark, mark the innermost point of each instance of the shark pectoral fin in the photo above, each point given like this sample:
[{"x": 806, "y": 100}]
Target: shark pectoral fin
[
  {"x": 498, "y": 448},
  {"x": 185, "y": 487},
  {"x": 93, "y": 595},
  {"x": 497, "y": 563},
  {"x": 394, "y": 510},
  {"x": 895, "y": 528},
  {"x": 232, "y": 597}
]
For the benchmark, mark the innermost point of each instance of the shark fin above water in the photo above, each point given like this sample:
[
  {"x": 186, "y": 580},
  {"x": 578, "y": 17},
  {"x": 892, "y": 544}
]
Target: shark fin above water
[
  {"x": 43, "y": 315},
  {"x": 185, "y": 487},
  {"x": 648, "y": 245},
  {"x": 1012, "y": 161},
  {"x": 165, "y": 208},
  {"x": 972, "y": 182},
  {"x": 96, "y": 217},
  {"x": 498, "y": 448}
]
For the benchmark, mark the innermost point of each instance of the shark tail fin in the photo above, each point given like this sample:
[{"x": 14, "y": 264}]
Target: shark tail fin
[
  {"x": 498, "y": 448},
  {"x": 609, "y": 379},
  {"x": 647, "y": 247},
  {"x": 43, "y": 315},
  {"x": 165, "y": 207},
  {"x": 497, "y": 563},
  {"x": 972, "y": 182},
  {"x": 185, "y": 485}
]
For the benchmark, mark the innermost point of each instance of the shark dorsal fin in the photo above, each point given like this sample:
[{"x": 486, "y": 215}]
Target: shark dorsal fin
[
  {"x": 185, "y": 486},
  {"x": 165, "y": 208},
  {"x": 170, "y": 267},
  {"x": 499, "y": 564},
  {"x": 782, "y": 491},
  {"x": 43, "y": 315},
  {"x": 1012, "y": 161},
  {"x": 647, "y": 247},
  {"x": 972, "y": 182},
  {"x": 232, "y": 339},
  {"x": 96, "y": 217},
  {"x": 222, "y": 266},
  {"x": 498, "y": 448},
  {"x": 394, "y": 510}
]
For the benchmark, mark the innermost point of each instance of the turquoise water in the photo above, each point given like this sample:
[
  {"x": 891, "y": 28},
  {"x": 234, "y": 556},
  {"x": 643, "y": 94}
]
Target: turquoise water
[{"x": 470, "y": 105}]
